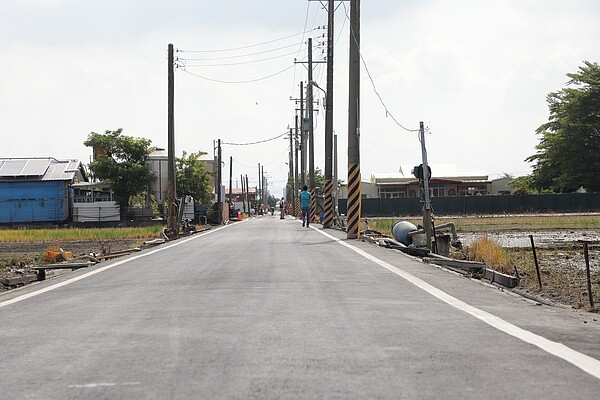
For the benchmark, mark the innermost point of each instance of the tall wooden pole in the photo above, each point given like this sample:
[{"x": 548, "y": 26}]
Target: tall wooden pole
[
  {"x": 171, "y": 193},
  {"x": 328, "y": 201},
  {"x": 354, "y": 176}
]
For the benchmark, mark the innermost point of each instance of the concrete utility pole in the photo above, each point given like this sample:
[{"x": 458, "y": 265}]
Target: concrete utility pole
[
  {"x": 335, "y": 174},
  {"x": 290, "y": 185},
  {"x": 248, "y": 195},
  {"x": 427, "y": 206},
  {"x": 218, "y": 183},
  {"x": 311, "y": 135},
  {"x": 354, "y": 176},
  {"x": 328, "y": 202},
  {"x": 259, "y": 192},
  {"x": 171, "y": 193},
  {"x": 303, "y": 147},
  {"x": 243, "y": 193},
  {"x": 264, "y": 190},
  {"x": 230, "y": 185},
  {"x": 295, "y": 191}
]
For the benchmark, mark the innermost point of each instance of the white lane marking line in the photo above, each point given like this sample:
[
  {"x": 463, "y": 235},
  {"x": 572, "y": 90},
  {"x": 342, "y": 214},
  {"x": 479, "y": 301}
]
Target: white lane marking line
[
  {"x": 580, "y": 360},
  {"x": 97, "y": 271},
  {"x": 101, "y": 384}
]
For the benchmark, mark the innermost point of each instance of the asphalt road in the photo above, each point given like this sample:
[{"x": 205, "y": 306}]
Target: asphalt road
[{"x": 266, "y": 309}]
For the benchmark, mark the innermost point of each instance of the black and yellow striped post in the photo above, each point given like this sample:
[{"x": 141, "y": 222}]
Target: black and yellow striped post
[
  {"x": 354, "y": 184},
  {"x": 354, "y": 202},
  {"x": 328, "y": 204},
  {"x": 313, "y": 206}
]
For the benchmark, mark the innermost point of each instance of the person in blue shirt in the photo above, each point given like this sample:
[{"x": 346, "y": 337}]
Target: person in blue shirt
[{"x": 305, "y": 205}]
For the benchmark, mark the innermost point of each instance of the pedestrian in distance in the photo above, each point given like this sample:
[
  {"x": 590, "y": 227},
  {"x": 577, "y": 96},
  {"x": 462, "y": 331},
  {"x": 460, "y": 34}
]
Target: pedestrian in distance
[
  {"x": 305, "y": 205},
  {"x": 282, "y": 209}
]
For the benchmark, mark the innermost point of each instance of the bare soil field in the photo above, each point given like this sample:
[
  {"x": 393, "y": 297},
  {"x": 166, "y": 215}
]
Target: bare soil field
[{"x": 17, "y": 258}]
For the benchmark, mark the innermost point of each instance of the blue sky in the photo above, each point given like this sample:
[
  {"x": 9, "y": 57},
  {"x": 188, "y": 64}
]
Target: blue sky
[{"x": 477, "y": 72}]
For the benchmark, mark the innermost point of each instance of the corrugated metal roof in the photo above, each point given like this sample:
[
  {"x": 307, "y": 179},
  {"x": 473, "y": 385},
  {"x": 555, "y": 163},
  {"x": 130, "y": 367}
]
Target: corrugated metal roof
[
  {"x": 12, "y": 168},
  {"x": 38, "y": 169}
]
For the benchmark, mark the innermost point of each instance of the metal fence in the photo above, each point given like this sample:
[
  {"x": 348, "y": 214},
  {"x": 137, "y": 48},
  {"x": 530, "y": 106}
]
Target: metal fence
[{"x": 468, "y": 205}]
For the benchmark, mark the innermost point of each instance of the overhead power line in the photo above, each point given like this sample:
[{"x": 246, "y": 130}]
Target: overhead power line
[
  {"x": 387, "y": 111},
  {"x": 257, "y": 142},
  {"x": 240, "y": 55},
  {"x": 246, "y": 47},
  {"x": 237, "y": 82},
  {"x": 238, "y": 63}
]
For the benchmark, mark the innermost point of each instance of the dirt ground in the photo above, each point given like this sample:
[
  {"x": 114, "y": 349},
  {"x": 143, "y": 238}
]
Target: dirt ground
[{"x": 16, "y": 259}]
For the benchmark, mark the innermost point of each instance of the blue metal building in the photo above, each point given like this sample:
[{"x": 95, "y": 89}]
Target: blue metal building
[{"x": 37, "y": 189}]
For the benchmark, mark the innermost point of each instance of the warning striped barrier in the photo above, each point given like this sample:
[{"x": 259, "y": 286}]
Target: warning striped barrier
[
  {"x": 313, "y": 206},
  {"x": 354, "y": 199},
  {"x": 328, "y": 204}
]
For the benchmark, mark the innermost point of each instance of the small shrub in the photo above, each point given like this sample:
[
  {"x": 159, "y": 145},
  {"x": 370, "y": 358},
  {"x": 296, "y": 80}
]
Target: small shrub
[{"x": 491, "y": 253}]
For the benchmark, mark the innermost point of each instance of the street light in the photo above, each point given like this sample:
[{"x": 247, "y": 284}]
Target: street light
[{"x": 315, "y": 84}]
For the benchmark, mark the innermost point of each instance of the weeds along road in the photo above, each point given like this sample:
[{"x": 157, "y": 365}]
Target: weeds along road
[{"x": 268, "y": 309}]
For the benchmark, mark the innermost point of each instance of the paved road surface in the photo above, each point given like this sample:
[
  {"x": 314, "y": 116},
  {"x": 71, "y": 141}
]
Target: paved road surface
[{"x": 266, "y": 309}]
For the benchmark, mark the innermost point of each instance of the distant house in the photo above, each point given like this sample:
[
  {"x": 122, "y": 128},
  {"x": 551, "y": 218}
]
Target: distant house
[
  {"x": 93, "y": 202},
  {"x": 368, "y": 190},
  {"x": 37, "y": 189},
  {"x": 445, "y": 180},
  {"x": 159, "y": 165}
]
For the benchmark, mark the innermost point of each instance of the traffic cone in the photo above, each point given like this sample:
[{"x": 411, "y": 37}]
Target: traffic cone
[{"x": 239, "y": 216}]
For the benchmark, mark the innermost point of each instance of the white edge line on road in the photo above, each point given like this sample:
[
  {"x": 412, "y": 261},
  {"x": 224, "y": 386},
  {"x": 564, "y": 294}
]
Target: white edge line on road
[
  {"x": 580, "y": 360},
  {"x": 97, "y": 271}
]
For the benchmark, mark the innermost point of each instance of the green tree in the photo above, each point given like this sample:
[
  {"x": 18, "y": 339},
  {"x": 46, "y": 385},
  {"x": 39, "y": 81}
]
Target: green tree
[
  {"x": 568, "y": 155},
  {"x": 122, "y": 161},
  {"x": 193, "y": 178},
  {"x": 522, "y": 185}
]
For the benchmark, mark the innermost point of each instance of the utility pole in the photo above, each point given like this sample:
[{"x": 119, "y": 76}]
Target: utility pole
[
  {"x": 218, "y": 185},
  {"x": 427, "y": 206},
  {"x": 303, "y": 147},
  {"x": 264, "y": 191},
  {"x": 248, "y": 195},
  {"x": 311, "y": 135},
  {"x": 335, "y": 175},
  {"x": 295, "y": 191},
  {"x": 328, "y": 203},
  {"x": 290, "y": 185},
  {"x": 259, "y": 192},
  {"x": 230, "y": 185},
  {"x": 243, "y": 193},
  {"x": 354, "y": 176},
  {"x": 171, "y": 193}
]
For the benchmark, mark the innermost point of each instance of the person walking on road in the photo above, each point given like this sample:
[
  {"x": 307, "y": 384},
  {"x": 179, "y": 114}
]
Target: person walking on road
[{"x": 305, "y": 205}]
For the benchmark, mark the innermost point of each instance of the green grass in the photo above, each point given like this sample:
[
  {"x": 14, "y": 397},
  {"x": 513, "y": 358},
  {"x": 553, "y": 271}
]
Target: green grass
[{"x": 46, "y": 235}]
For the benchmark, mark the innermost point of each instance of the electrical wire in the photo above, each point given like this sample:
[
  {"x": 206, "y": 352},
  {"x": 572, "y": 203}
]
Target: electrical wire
[
  {"x": 239, "y": 63},
  {"x": 387, "y": 112},
  {"x": 238, "y": 82},
  {"x": 257, "y": 142},
  {"x": 240, "y": 55},
  {"x": 246, "y": 47}
]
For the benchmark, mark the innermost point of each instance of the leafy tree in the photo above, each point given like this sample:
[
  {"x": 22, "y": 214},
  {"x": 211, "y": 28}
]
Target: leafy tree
[
  {"x": 568, "y": 154},
  {"x": 123, "y": 161},
  {"x": 272, "y": 200},
  {"x": 522, "y": 185},
  {"x": 193, "y": 178}
]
